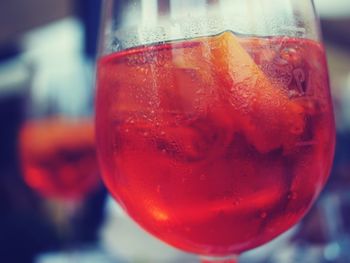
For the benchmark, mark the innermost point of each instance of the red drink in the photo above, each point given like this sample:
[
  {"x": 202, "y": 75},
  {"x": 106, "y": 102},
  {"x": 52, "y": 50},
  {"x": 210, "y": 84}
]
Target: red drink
[
  {"x": 216, "y": 145},
  {"x": 58, "y": 157}
]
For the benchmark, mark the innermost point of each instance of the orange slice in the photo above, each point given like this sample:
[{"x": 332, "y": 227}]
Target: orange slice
[{"x": 256, "y": 106}]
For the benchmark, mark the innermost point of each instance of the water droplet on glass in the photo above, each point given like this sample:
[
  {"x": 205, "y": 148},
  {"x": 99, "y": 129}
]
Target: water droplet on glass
[
  {"x": 263, "y": 215},
  {"x": 296, "y": 129},
  {"x": 236, "y": 201},
  {"x": 292, "y": 195}
]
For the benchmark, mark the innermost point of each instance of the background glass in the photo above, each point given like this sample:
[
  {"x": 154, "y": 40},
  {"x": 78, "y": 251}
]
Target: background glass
[{"x": 56, "y": 146}]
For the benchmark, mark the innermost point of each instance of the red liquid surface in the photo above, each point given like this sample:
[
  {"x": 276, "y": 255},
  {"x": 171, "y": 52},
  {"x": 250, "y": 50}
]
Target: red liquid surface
[
  {"x": 216, "y": 145},
  {"x": 58, "y": 157}
]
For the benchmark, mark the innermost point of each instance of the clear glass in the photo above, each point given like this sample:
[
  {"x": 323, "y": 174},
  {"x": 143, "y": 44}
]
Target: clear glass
[{"x": 214, "y": 121}]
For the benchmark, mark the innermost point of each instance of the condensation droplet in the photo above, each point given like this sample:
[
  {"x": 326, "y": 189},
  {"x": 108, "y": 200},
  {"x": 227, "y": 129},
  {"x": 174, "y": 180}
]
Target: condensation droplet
[
  {"x": 292, "y": 195},
  {"x": 263, "y": 215},
  {"x": 296, "y": 129},
  {"x": 236, "y": 201}
]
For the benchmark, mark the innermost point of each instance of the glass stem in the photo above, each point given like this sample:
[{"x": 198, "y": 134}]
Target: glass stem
[{"x": 231, "y": 259}]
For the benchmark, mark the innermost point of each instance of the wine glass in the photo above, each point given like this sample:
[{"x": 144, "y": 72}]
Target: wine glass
[
  {"x": 214, "y": 120},
  {"x": 56, "y": 142}
]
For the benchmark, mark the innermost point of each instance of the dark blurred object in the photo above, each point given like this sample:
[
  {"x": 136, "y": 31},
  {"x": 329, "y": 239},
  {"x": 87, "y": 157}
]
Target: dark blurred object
[
  {"x": 340, "y": 177},
  {"x": 90, "y": 14},
  {"x": 18, "y": 16},
  {"x": 337, "y": 31},
  {"x": 92, "y": 217},
  {"x": 313, "y": 229},
  {"x": 10, "y": 105},
  {"x": 21, "y": 226},
  {"x": 23, "y": 236},
  {"x": 8, "y": 52}
]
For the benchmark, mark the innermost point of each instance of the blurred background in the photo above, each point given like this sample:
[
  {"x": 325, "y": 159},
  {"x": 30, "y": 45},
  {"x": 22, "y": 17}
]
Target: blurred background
[{"x": 47, "y": 56}]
